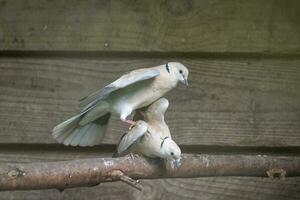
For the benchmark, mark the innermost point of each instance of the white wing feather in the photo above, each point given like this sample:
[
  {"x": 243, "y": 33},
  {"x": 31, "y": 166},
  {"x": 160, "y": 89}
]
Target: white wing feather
[{"x": 124, "y": 81}]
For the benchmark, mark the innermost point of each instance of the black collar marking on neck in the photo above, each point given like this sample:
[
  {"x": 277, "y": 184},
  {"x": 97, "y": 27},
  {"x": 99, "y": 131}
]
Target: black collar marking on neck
[
  {"x": 168, "y": 68},
  {"x": 162, "y": 143}
]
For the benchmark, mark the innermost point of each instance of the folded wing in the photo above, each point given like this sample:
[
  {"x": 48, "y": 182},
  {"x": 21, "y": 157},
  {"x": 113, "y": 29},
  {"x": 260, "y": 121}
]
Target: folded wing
[
  {"x": 124, "y": 81},
  {"x": 133, "y": 136}
]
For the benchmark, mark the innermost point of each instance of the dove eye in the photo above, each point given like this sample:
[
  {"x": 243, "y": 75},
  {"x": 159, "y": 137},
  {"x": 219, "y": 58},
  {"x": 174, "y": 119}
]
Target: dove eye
[
  {"x": 172, "y": 154},
  {"x": 180, "y": 71}
]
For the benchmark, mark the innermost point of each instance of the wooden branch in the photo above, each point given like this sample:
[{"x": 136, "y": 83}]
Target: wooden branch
[{"x": 90, "y": 172}]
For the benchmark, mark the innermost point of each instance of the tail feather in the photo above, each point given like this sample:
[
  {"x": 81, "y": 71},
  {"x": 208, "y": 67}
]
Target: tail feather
[
  {"x": 65, "y": 126},
  {"x": 89, "y": 139},
  {"x": 72, "y": 133},
  {"x": 62, "y": 130},
  {"x": 76, "y": 136}
]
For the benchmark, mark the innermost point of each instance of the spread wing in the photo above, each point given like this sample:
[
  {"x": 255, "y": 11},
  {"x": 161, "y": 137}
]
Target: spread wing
[
  {"x": 132, "y": 136},
  {"x": 124, "y": 81}
]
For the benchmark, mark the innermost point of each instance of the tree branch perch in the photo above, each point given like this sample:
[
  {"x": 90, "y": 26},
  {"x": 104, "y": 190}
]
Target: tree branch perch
[{"x": 90, "y": 172}]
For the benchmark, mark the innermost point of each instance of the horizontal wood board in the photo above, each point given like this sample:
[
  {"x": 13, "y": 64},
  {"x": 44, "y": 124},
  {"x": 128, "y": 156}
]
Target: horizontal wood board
[
  {"x": 259, "y": 26},
  {"x": 221, "y": 188},
  {"x": 230, "y": 102}
]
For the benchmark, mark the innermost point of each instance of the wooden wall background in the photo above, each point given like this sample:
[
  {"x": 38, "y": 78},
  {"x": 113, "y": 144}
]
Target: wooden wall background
[{"x": 244, "y": 94}]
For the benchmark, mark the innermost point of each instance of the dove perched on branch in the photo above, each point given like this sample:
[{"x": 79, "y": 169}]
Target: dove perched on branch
[
  {"x": 134, "y": 90},
  {"x": 151, "y": 137}
]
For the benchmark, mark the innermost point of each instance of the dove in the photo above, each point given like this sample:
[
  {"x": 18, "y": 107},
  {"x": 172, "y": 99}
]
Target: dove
[
  {"x": 132, "y": 91},
  {"x": 151, "y": 137}
]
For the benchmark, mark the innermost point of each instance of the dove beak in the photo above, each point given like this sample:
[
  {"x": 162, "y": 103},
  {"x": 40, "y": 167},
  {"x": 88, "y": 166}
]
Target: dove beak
[
  {"x": 184, "y": 81},
  {"x": 177, "y": 162}
]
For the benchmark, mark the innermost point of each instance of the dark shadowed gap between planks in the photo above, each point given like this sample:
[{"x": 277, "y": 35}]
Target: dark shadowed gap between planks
[{"x": 141, "y": 54}]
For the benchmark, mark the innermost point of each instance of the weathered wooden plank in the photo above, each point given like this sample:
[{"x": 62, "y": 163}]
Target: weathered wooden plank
[
  {"x": 145, "y": 26},
  {"x": 201, "y": 188},
  {"x": 225, "y": 188},
  {"x": 235, "y": 102}
]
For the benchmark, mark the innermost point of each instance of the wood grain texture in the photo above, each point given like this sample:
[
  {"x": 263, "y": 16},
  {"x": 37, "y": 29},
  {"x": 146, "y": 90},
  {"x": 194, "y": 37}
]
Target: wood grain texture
[
  {"x": 261, "y": 26},
  {"x": 228, "y": 188},
  {"x": 236, "y": 102},
  {"x": 237, "y": 188}
]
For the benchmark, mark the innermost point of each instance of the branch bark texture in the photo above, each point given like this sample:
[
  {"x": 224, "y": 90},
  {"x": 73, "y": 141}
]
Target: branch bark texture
[{"x": 90, "y": 172}]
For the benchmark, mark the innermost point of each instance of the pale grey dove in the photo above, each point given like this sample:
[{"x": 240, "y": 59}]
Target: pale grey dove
[
  {"x": 137, "y": 89},
  {"x": 151, "y": 137}
]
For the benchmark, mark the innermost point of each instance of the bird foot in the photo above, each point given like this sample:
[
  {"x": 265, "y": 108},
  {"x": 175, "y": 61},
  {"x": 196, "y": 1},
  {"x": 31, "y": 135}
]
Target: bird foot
[{"x": 131, "y": 122}]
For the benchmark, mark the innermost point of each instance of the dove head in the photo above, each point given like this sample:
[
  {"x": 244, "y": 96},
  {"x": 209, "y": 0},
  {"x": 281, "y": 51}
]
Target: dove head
[
  {"x": 171, "y": 151},
  {"x": 157, "y": 109},
  {"x": 179, "y": 71}
]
